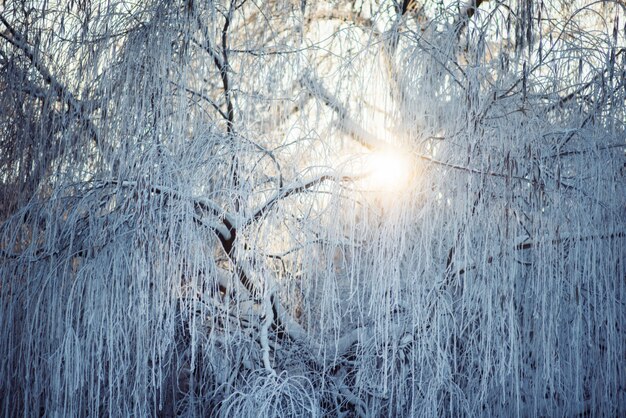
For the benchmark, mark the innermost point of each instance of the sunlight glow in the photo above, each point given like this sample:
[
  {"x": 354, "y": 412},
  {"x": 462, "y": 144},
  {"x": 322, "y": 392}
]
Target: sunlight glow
[{"x": 388, "y": 170}]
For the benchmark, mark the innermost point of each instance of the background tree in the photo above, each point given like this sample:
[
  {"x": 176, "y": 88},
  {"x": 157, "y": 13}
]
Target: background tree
[{"x": 306, "y": 208}]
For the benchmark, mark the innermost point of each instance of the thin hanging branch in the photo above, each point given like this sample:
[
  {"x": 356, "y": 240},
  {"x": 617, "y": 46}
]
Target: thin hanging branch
[{"x": 80, "y": 110}]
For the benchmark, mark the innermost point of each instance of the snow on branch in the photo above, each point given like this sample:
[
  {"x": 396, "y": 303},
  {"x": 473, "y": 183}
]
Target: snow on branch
[
  {"x": 79, "y": 108},
  {"x": 345, "y": 121},
  {"x": 292, "y": 189}
]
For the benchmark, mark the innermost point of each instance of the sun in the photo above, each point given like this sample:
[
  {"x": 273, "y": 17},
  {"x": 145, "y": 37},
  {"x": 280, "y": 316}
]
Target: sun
[{"x": 388, "y": 170}]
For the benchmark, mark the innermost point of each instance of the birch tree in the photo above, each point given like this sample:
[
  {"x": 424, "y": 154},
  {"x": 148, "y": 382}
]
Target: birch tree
[{"x": 291, "y": 208}]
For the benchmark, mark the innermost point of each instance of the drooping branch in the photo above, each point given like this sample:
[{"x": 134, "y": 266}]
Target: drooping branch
[
  {"x": 525, "y": 243},
  {"x": 372, "y": 142},
  {"x": 79, "y": 109},
  {"x": 226, "y": 229},
  {"x": 594, "y": 80},
  {"x": 346, "y": 123},
  {"x": 291, "y": 190},
  {"x": 466, "y": 15},
  {"x": 203, "y": 97}
]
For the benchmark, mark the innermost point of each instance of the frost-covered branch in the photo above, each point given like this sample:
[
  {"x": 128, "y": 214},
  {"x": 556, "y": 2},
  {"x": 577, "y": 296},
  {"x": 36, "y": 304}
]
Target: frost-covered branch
[
  {"x": 345, "y": 121},
  {"x": 290, "y": 190},
  {"x": 466, "y": 14},
  {"x": 198, "y": 262},
  {"x": 79, "y": 109}
]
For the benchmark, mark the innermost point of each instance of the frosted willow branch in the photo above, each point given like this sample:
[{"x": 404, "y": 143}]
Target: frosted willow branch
[
  {"x": 226, "y": 229},
  {"x": 64, "y": 94},
  {"x": 372, "y": 142},
  {"x": 525, "y": 243},
  {"x": 291, "y": 190},
  {"x": 346, "y": 123}
]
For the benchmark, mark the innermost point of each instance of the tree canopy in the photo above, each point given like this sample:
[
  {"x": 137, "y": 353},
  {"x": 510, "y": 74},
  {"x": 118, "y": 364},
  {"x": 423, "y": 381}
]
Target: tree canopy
[{"x": 291, "y": 208}]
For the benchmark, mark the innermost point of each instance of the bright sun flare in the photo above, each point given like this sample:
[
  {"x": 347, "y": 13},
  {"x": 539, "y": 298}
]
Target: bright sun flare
[{"x": 387, "y": 170}]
